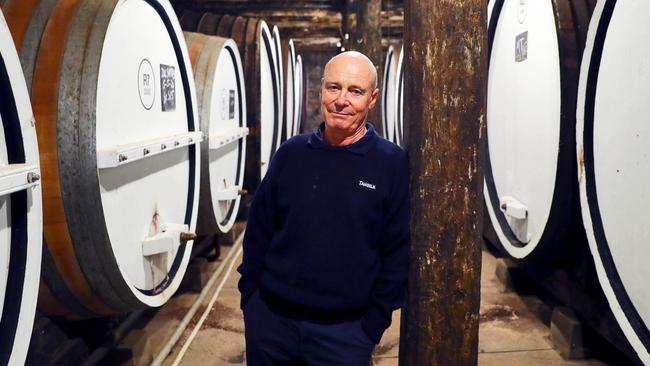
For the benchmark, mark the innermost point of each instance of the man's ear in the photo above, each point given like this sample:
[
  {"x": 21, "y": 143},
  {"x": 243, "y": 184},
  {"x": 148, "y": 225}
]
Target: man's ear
[{"x": 373, "y": 98}]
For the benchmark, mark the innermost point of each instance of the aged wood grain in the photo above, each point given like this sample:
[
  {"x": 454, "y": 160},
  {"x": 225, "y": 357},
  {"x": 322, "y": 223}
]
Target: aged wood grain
[{"x": 445, "y": 96}]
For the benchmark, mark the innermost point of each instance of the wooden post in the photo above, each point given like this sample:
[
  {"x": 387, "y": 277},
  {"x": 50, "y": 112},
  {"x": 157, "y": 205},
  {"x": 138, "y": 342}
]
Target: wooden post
[
  {"x": 348, "y": 24},
  {"x": 445, "y": 96},
  {"x": 368, "y": 42}
]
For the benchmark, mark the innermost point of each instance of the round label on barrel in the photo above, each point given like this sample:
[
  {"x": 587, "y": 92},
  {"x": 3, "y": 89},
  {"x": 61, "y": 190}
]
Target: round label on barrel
[
  {"x": 522, "y": 11},
  {"x": 146, "y": 84},
  {"x": 523, "y": 122},
  {"x": 614, "y": 156},
  {"x": 144, "y": 198}
]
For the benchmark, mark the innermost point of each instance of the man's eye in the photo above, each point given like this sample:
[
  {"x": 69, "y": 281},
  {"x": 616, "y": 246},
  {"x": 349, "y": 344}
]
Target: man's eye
[{"x": 356, "y": 92}]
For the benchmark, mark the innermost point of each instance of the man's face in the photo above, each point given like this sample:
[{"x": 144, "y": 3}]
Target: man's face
[{"x": 347, "y": 93}]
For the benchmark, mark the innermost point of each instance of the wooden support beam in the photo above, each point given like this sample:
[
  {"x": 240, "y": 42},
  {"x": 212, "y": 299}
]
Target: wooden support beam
[
  {"x": 255, "y": 5},
  {"x": 349, "y": 23},
  {"x": 368, "y": 42},
  {"x": 445, "y": 96}
]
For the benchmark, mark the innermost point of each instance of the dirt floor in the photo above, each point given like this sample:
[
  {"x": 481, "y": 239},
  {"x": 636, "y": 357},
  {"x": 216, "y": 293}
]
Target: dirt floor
[{"x": 510, "y": 334}]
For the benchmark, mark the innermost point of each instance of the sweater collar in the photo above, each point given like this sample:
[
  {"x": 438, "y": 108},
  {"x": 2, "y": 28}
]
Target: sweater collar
[{"x": 361, "y": 147}]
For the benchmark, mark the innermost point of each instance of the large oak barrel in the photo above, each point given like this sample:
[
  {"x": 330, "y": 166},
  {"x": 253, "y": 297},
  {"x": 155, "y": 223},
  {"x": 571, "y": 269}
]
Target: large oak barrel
[
  {"x": 257, "y": 49},
  {"x": 388, "y": 94},
  {"x": 613, "y": 157},
  {"x": 398, "y": 135},
  {"x": 279, "y": 71},
  {"x": 530, "y": 179},
  {"x": 21, "y": 225},
  {"x": 301, "y": 88},
  {"x": 115, "y": 103},
  {"x": 291, "y": 95},
  {"x": 221, "y": 99}
]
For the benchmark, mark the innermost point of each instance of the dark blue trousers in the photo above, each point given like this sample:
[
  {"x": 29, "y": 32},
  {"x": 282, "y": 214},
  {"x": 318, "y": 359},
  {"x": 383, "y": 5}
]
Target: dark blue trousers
[{"x": 275, "y": 340}]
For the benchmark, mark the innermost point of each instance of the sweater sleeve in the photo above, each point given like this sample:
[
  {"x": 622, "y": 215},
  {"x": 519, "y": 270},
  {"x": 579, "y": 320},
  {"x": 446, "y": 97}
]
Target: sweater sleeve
[
  {"x": 259, "y": 232},
  {"x": 389, "y": 289}
]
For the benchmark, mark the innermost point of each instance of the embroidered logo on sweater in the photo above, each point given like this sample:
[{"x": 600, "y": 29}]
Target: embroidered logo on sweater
[{"x": 367, "y": 185}]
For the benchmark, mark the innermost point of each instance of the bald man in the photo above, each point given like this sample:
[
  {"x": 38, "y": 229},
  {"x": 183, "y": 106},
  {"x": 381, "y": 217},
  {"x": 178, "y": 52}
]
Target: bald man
[{"x": 327, "y": 242}]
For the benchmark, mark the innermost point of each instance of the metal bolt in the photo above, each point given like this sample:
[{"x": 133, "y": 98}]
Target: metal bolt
[
  {"x": 190, "y": 140},
  {"x": 33, "y": 177},
  {"x": 176, "y": 143},
  {"x": 145, "y": 151},
  {"x": 121, "y": 158},
  {"x": 188, "y": 236},
  {"x": 163, "y": 147},
  {"x": 504, "y": 206},
  {"x": 33, "y": 121}
]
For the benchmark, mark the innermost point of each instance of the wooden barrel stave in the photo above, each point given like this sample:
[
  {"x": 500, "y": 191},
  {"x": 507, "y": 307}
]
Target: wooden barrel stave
[
  {"x": 190, "y": 19},
  {"x": 195, "y": 44},
  {"x": 238, "y": 34},
  {"x": 208, "y": 24},
  {"x": 224, "y": 28},
  {"x": 27, "y": 38},
  {"x": 18, "y": 14}
]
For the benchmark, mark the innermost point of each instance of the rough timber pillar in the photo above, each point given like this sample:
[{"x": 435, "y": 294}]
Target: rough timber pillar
[
  {"x": 368, "y": 42},
  {"x": 348, "y": 26},
  {"x": 444, "y": 120}
]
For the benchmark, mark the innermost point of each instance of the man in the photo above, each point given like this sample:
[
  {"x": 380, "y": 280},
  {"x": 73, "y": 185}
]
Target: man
[{"x": 327, "y": 242}]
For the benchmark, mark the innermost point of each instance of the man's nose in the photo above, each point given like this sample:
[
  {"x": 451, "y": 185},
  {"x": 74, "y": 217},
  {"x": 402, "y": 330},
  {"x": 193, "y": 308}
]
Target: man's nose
[{"x": 341, "y": 98}]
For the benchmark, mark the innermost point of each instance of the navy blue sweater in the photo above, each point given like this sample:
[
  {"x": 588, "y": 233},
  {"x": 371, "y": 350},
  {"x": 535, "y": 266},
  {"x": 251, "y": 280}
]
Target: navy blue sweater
[{"x": 327, "y": 238}]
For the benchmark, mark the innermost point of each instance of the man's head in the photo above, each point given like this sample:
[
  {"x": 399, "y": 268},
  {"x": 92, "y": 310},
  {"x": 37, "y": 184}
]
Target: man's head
[{"x": 348, "y": 91}]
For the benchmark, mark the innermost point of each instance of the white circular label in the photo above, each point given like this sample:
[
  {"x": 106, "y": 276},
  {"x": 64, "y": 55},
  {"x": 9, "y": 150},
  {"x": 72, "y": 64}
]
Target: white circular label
[
  {"x": 522, "y": 11},
  {"x": 224, "y": 104},
  {"x": 146, "y": 84}
]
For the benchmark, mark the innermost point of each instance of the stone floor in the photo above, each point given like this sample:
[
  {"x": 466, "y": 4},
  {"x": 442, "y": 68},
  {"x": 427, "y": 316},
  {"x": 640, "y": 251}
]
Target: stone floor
[{"x": 509, "y": 333}]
